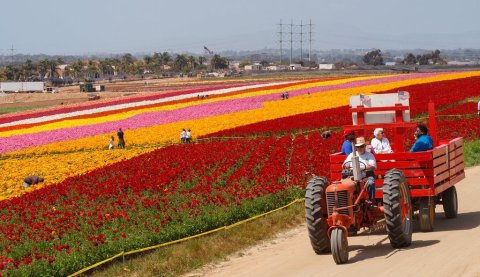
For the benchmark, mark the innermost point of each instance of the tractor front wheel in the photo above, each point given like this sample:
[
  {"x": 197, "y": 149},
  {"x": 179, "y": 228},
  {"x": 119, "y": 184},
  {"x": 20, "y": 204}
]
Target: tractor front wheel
[
  {"x": 450, "y": 202},
  {"x": 398, "y": 208},
  {"x": 339, "y": 245},
  {"x": 426, "y": 214},
  {"x": 316, "y": 214}
]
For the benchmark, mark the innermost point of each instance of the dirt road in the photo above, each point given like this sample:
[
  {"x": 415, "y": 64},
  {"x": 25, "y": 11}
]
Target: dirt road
[{"x": 453, "y": 249}]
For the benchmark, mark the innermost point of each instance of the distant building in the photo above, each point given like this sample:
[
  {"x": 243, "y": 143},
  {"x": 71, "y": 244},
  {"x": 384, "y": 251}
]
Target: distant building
[
  {"x": 253, "y": 67},
  {"x": 390, "y": 63},
  {"x": 462, "y": 63},
  {"x": 295, "y": 66},
  {"x": 326, "y": 66},
  {"x": 234, "y": 65},
  {"x": 277, "y": 67}
]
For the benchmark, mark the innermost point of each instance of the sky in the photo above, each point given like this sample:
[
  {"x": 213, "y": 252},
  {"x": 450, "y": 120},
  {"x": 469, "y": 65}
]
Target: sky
[{"x": 79, "y": 27}]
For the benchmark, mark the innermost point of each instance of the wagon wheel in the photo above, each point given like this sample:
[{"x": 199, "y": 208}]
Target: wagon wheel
[
  {"x": 339, "y": 245},
  {"x": 426, "y": 215},
  {"x": 316, "y": 213},
  {"x": 450, "y": 202},
  {"x": 398, "y": 208}
]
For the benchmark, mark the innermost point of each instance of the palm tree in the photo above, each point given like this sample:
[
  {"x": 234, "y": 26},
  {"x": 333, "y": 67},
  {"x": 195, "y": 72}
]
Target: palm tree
[
  {"x": 28, "y": 68},
  {"x": 149, "y": 63},
  {"x": 218, "y": 62},
  {"x": 42, "y": 68},
  {"x": 11, "y": 72},
  {"x": 192, "y": 62},
  {"x": 77, "y": 68},
  {"x": 92, "y": 69},
  {"x": 202, "y": 60},
  {"x": 180, "y": 62},
  {"x": 127, "y": 63},
  {"x": 105, "y": 67},
  {"x": 52, "y": 67},
  {"x": 165, "y": 58}
]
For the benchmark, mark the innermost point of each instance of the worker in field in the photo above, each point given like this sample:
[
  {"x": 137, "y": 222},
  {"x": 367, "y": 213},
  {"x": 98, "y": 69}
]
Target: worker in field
[
  {"x": 111, "y": 143},
  {"x": 424, "y": 141},
  {"x": 367, "y": 163},
  {"x": 32, "y": 180},
  {"x": 183, "y": 136},
  {"x": 121, "y": 140},
  {"x": 326, "y": 134},
  {"x": 188, "y": 136},
  {"x": 347, "y": 144}
]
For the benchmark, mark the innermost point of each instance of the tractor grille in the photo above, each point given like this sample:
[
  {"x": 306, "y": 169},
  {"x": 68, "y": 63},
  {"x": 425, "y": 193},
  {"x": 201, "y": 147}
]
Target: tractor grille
[{"x": 342, "y": 201}]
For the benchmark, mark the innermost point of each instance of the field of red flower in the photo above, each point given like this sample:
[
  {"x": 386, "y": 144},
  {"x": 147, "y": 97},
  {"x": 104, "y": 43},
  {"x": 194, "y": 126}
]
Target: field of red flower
[
  {"x": 157, "y": 197},
  {"x": 468, "y": 108},
  {"x": 182, "y": 190}
]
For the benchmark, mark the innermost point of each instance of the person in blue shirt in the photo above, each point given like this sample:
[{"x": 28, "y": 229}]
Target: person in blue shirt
[
  {"x": 347, "y": 144},
  {"x": 424, "y": 141}
]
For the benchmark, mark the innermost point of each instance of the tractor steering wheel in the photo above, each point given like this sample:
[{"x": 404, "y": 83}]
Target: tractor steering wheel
[{"x": 364, "y": 167}]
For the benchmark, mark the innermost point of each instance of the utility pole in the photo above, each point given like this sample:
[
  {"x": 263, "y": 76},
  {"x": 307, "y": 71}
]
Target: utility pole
[
  {"x": 310, "y": 42},
  {"x": 11, "y": 54},
  {"x": 301, "y": 40},
  {"x": 281, "y": 41},
  {"x": 291, "y": 41}
]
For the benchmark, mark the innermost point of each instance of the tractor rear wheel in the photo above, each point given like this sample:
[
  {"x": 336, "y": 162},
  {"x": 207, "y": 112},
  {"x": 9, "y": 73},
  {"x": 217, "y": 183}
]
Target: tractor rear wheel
[
  {"x": 316, "y": 214},
  {"x": 426, "y": 214},
  {"x": 450, "y": 202},
  {"x": 339, "y": 245},
  {"x": 398, "y": 208}
]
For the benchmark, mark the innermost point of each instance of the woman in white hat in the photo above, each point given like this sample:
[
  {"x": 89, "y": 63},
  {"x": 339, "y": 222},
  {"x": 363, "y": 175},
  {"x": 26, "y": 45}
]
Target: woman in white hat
[{"x": 380, "y": 144}]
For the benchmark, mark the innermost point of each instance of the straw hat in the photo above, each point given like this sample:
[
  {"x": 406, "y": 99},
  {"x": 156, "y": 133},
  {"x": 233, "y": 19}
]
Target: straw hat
[{"x": 359, "y": 141}]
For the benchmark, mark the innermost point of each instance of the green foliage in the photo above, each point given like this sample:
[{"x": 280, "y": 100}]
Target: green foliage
[
  {"x": 218, "y": 62},
  {"x": 472, "y": 153},
  {"x": 373, "y": 57}
]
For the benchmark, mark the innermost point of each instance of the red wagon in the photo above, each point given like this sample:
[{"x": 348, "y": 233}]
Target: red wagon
[{"x": 405, "y": 182}]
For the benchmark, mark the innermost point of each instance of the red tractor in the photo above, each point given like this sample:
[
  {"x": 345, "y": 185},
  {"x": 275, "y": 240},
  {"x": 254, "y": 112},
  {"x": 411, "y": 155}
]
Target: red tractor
[{"x": 404, "y": 182}]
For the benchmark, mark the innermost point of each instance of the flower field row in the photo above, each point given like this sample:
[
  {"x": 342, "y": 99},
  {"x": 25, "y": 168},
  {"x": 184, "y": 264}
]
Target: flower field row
[
  {"x": 462, "y": 109},
  {"x": 193, "y": 87},
  {"x": 442, "y": 93},
  {"x": 143, "y": 140},
  {"x": 122, "y": 104},
  {"x": 98, "y": 202},
  {"x": 248, "y": 108},
  {"x": 138, "y": 202}
]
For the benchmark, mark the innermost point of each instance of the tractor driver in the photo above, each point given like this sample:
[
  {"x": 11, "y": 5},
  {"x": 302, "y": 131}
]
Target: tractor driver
[{"x": 367, "y": 163}]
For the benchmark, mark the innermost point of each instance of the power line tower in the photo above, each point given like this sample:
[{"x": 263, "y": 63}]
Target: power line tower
[
  {"x": 11, "y": 54},
  {"x": 301, "y": 40},
  {"x": 291, "y": 41},
  {"x": 281, "y": 40},
  {"x": 310, "y": 42}
]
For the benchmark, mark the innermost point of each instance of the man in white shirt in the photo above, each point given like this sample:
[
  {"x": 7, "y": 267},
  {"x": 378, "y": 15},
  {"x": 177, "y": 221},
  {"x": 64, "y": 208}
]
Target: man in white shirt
[
  {"x": 183, "y": 136},
  {"x": 380, "y": 144},
  {"x": 478, "y": 107},
  {"x": 368, "y": 166}
]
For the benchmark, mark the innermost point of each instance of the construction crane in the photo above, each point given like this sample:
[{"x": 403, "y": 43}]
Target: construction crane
[{"x": 207, "y": 51}]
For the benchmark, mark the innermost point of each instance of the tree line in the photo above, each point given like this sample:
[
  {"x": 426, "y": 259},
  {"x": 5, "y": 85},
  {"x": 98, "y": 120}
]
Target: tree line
[
  {"x": 90, "y": 69},
  {"x": 375, "y": 58}
]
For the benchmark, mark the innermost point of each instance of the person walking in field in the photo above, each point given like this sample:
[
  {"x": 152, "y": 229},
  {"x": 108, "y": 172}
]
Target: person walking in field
[
  {"x": 188, "y": 137},
  {"x": 32, "y": 180},
  {"x": 112, "y": 143},
  {"x": 121, "y": 141},
  {"x": 183, "y": 136}
]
